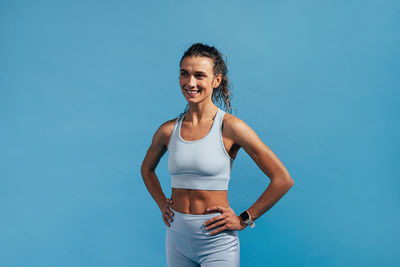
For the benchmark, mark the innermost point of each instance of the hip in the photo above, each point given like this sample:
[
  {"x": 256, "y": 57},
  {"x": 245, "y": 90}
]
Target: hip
[{"x": 192, "y": 225}]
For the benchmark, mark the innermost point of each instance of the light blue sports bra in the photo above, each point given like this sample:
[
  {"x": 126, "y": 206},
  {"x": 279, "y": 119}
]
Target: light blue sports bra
[{"x": 202, "y": 164}]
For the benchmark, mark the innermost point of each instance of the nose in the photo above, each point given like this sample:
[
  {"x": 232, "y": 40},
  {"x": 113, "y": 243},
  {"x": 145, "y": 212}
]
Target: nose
[{"x": 192, "y": 82}]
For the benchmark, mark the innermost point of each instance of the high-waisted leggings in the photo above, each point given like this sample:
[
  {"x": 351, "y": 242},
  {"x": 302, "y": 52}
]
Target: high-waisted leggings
[{"x": 189, "y": 244}]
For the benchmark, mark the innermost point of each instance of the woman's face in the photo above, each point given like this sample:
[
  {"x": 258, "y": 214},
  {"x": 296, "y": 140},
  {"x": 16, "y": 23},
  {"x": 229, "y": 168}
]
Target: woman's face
[{"x": 197, "y": 79}]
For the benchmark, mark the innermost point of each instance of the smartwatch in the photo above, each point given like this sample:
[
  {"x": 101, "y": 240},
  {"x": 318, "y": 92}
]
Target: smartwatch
[{"x": 247, "y": 218}]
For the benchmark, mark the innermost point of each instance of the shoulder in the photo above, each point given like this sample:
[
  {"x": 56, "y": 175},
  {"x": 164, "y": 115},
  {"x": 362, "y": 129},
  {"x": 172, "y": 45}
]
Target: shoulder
[
  {"x": 158, "y": 146},
  {"x": 233, "y": 123},
  {"x": 237, "y": 129},
  {"x": 164, "y": 132},
  {"x": 228, "y": 120}
]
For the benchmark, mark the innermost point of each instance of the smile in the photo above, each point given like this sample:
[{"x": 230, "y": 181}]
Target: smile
[{"x": 193, "y": 92}]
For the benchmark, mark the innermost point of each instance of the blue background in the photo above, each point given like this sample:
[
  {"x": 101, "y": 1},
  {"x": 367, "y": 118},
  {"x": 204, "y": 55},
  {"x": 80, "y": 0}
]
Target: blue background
[{"x": 85, "y": 84}]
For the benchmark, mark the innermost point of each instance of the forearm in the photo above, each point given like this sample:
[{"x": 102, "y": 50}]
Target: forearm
[
  {"x": 275, "y": 190},
  {"x": 153, "y": 185}
]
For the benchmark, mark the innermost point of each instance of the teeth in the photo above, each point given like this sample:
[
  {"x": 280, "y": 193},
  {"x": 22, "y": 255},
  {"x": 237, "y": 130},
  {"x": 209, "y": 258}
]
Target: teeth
[{"x": 192, "y": 92}]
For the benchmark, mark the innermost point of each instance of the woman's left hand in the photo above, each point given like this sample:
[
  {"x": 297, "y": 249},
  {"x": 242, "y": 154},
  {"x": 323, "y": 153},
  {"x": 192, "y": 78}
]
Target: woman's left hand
[{"x": 228, "y": 219}]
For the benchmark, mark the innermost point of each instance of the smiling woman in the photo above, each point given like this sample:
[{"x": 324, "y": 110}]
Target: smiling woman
[
  {"x": 203, "y": 143},
  {"x": 194, "y": 77}
]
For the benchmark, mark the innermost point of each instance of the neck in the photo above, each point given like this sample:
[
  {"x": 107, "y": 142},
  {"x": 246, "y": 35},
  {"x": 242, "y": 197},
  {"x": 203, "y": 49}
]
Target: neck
[{"x": 197, "y": 113}]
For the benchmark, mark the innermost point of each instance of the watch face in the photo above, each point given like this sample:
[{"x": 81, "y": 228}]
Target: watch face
[{"x": 244, "y": 215}]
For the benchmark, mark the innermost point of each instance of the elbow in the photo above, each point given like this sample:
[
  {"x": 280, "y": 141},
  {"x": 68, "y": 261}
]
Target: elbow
[
  {"x": 285, "y": 181},
  {"x": 283, "y": 178},
  {"x": 290, "y": 182},
  {"x": 144, "y": 170}
]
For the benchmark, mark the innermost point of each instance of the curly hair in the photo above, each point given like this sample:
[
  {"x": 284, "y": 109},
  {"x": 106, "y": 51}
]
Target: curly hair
[{"x": 223, "y": 93}]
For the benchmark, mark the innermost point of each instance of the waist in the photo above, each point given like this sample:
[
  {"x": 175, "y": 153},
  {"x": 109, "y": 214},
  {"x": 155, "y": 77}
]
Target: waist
[
  {"x": 190, "y": 224},
  {"x": 191, "y": 201}
]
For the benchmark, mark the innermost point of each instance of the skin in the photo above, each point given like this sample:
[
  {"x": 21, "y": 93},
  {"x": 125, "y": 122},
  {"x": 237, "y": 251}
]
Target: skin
[{"x": 197, "y": 73}]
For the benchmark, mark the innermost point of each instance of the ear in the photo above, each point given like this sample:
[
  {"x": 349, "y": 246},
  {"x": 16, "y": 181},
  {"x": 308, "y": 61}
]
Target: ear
[{"x": 217, "y": 81}]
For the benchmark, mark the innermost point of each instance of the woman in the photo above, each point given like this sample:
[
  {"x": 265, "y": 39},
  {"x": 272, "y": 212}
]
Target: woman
[{"x": 202, "y": 145}]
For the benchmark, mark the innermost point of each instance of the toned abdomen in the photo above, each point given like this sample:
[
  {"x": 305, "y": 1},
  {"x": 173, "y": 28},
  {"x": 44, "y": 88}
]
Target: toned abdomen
[{"x": 197, "y": 201}]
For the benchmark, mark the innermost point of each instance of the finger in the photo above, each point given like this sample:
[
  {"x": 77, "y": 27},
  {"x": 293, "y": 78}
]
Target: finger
[
  {"x": 170, "y": 213},
  {"x": 214, "y": 219},
  {"x": 219, "y": 230},
  {"x": 167, "y": 216},
  {"x": 214, "y": 225},
  {"x": 165, "y": 221}
]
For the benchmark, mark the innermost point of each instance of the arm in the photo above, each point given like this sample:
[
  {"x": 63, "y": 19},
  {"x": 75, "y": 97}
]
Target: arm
[
  {"x": 155, "y": 152},
  {"x": 268, "y": 162}
]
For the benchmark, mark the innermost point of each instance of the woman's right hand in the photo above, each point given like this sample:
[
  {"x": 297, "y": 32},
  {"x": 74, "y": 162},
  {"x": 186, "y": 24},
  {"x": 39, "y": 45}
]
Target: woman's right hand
[{"x": 167, "y": 214}]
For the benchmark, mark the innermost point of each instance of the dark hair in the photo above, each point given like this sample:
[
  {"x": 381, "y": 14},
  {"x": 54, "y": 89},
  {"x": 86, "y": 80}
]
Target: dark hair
[{"x": 221, "y": 94}]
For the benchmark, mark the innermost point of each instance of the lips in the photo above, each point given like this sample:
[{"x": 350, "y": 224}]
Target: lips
[{"x": 192, "y": 93}]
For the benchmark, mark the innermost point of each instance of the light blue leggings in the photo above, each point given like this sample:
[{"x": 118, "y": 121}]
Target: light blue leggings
[{"x": 189, "y": 244}]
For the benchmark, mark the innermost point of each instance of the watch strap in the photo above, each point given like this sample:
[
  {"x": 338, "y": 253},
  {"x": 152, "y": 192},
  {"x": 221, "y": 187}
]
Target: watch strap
[{"x": 246, "y": 217}]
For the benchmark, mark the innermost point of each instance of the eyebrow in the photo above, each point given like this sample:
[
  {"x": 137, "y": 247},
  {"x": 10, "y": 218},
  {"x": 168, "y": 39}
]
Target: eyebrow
[{"x": 198, "y": 72}]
